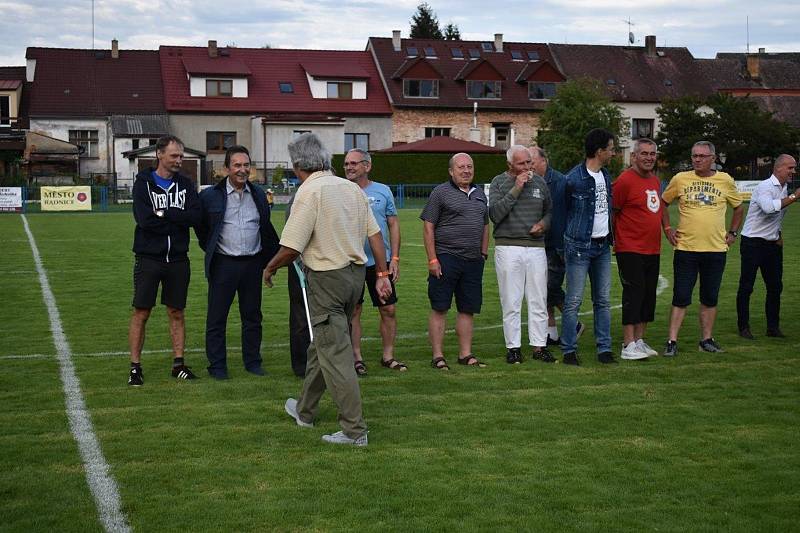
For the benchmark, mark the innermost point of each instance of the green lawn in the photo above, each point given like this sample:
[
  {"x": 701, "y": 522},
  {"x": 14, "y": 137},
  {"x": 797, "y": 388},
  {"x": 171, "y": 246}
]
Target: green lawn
[{"x": 699, "y": 442}]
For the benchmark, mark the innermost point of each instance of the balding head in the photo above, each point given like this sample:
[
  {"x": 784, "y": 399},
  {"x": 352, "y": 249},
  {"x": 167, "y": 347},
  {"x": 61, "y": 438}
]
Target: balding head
[{"x": 784, "y": 168}]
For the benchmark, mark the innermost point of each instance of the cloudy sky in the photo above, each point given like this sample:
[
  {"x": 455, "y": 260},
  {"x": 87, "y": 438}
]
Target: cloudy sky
[{"x": 704, "y": 27}]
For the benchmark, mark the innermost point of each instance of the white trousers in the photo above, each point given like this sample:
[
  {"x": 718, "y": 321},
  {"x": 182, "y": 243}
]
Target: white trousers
[{"x": 522, "y": 271}]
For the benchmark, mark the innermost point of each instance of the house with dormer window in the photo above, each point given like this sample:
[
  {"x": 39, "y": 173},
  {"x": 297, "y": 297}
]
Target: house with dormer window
[{"x": 491, "y": 92}]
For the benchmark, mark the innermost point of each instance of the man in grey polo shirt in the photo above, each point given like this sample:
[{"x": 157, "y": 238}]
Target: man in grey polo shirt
[
  {"x": 456, "y": 236},
  {"x": 519, "y": 206}
]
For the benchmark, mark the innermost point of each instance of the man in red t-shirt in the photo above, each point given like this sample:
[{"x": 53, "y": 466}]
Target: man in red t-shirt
[{"x": 636, "y": 202}]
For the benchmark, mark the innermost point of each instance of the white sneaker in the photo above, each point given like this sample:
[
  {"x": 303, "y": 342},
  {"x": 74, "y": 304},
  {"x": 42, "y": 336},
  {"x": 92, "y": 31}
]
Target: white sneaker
[
  {"x": 645, "y": 348},
  {"x": 631, "y": 352},
  {"x": 340, "y": 438},
  {"x": 291, "y": 409}
]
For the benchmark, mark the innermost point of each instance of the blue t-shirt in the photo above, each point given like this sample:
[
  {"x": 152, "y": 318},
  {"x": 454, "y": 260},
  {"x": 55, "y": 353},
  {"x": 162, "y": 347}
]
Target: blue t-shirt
[
  {"x": 382, "y": 203},
  {"x": 164, "y": 183}
]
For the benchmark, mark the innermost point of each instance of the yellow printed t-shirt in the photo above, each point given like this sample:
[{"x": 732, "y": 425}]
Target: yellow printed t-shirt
[{"x": 702, "y": 206}]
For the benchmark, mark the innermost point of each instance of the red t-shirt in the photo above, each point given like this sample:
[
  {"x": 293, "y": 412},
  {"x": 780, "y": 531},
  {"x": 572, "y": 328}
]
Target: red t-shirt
[{"x": 637, "y": 213}]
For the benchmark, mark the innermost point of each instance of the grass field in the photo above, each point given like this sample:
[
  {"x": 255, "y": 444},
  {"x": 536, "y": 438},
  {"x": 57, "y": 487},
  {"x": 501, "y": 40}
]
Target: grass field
[{"x": 699, "y": 442}]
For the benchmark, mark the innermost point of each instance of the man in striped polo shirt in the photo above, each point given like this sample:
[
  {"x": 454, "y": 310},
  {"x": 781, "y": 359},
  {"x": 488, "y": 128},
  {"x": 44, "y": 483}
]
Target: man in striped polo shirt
[
  {"x": 456, "y": 235},
  {"x": 519, "y": 206}
]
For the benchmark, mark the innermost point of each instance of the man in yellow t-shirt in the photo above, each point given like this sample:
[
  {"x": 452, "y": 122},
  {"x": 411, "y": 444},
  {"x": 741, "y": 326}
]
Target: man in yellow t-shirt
[{"x": 700, "y": 240}]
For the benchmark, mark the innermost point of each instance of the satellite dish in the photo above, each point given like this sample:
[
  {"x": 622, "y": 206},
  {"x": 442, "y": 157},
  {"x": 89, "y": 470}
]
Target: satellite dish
[{"x": 630, "y": 37}]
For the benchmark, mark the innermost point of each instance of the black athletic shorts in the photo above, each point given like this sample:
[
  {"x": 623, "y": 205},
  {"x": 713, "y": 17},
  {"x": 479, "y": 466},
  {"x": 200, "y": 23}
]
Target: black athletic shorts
[
  {"x": 148, "y": 274},
  {"x": 369, "y": 279},
  {"x": 460, "y": 277}
]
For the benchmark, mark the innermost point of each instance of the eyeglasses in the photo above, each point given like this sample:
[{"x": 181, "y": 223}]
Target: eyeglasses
[
  {"x": 702, "y": 156},
  {"x": 354, "y": 163}
]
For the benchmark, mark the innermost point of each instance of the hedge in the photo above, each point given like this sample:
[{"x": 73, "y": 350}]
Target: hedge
[{"x": 425, "y": 168}]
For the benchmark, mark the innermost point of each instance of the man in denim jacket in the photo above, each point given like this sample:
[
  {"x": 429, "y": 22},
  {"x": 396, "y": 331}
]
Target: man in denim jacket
[{"x": 587, "y": 245}]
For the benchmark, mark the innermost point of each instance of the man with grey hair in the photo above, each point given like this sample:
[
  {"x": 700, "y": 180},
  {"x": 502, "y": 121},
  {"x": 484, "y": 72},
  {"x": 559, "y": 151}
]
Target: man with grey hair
[
  {"x": 762, "y": 246},
  {"x": 329, "y": 223},
  {"x": 357, "y": 166},
  {"x": 700, "y": 241},
  {"x": 456, "y": 236},
  {"x": 519, "y": 206}
]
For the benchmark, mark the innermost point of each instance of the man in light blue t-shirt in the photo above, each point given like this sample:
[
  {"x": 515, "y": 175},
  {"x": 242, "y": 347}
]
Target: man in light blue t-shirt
[{"x": 357, "y": 165}]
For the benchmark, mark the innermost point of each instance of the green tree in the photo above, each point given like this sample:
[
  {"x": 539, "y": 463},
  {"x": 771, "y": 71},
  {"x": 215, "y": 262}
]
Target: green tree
[
  {"x": 451, "y": 32},
  {"x": 425, "y": 24},
  {"x": 579, "y": 106},
  {"x": 682, "y": 125}
]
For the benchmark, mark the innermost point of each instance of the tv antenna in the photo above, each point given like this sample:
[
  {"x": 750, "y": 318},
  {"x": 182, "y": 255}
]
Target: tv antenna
[{"x": 630, "y": 24}]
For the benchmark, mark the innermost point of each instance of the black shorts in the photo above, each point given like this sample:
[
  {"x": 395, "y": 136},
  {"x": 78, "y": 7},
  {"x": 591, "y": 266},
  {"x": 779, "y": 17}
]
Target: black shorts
[
  {"x": 687, "y": 266},
  {"x": 638, "y": 274},
  {"x": 462, "y": 277},
  {"x": 369, "y": 279},
  {"x": 555, "y": 277},
  {"x": 148, "y": 274}
]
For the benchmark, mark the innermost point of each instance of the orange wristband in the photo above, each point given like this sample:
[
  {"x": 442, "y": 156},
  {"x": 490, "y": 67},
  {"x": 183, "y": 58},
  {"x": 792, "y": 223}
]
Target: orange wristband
[
  {"x": 395, "y": 258},
  {"x": 384, "y": 274},
  {"x": 433, "y": 261}
]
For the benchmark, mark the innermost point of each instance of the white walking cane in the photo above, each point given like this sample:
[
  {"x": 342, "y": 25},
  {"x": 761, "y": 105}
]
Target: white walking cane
[{"x": 303, "y": 285}]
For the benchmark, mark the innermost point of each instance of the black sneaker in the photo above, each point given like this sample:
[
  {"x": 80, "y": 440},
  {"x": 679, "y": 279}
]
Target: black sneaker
[
  {"x": 514, "y": 356},
  {"x": 607, "y": 358},
  {"x": 544, "y": 355},
  {"x": 710, "y": 345},
  {"x": 671, "y": 350},
  {"x": 580, "y": 327},
  {"x": 182, "y": 372},
  {"x": 571, "y": 358},
  {"x": 553, "y": 342},
  {"x": 136, "y": 377},
  {"x": 775, "y": 333}
]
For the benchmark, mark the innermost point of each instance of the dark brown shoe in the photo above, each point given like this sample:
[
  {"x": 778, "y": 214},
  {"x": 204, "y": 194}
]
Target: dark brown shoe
[
  {"x": 775, "y": 333},
  {"x": 746, "y": 334}
]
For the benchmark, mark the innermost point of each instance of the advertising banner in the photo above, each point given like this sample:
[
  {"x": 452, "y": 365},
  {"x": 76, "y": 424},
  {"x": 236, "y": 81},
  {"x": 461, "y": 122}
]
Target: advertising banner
[
  {"x": 77, "y": 198},
  {"x": 11, "y": 199},
  {"x": 746, "y": 189}
]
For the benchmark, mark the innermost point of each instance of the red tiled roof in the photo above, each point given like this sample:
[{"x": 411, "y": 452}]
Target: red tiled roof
[
  {"x": 335, "y": 71},
  {"x": 226, "y": 66},
  {"x": 73, "y": 82},
  {"x": 447, "y": 145},
  {"x": 452, "y": 92},
  {"x": 269, "y": 67},
  {"x": 9, "y": 85}
]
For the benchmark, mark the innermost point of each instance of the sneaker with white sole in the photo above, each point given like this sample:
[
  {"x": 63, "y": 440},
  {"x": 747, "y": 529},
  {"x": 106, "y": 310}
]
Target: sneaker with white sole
[
  {"x": 340, "y": 438},
  {"x": 136, "y": 377},
  {"x": 291, "y": 409},
  {"x": 646, "y": 348},
  {"x": 631, "y": 352}
]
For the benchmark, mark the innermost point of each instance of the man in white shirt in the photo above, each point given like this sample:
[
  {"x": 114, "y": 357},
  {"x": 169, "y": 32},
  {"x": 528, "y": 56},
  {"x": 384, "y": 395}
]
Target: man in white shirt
[{"x": 762, "y": 246}]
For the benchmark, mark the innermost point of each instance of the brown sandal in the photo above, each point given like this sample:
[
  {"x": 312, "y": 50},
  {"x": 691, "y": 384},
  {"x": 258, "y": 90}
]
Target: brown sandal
[
  {"x": 471, "y": 360},
  {"x": 394, "y": 364},
  {"x": 361, "y": 368},
  {"x": 439, "y": 363}
]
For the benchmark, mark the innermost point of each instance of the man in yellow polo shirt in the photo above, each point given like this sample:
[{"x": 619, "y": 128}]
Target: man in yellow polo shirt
[
  {"x": 329, "y": 223},
  {"x": 700, "y": 240}
]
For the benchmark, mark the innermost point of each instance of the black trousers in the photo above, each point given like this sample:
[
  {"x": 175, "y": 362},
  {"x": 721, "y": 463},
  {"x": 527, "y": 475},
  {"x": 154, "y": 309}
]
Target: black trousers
[
  {"x": 228, "y": 277},
  {"x": 768, "y": 257},
  {"x": 299, "y": 338}
]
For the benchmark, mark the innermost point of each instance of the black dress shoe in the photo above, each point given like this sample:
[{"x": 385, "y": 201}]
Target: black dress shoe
[
  {"x": 775, "y": 333},
  {"x": 746, "y": 334}
]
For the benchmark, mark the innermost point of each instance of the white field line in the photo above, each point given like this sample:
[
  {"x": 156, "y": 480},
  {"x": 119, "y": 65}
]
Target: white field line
[
  {"x": 101, "y": 483},
  {"x": 662, "y": 286}
]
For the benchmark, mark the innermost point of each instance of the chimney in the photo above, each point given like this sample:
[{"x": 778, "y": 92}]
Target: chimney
[
  {"x": 650, "y": 45},
  {"x": 114, "y": 49},
  {"x": 396, "y": 41},
  {"x": 212, "y": 49},
  {"x": 753, "y": 67},
  {"x": 498, "y": 42},
  {"x": 762, "y": 50}
]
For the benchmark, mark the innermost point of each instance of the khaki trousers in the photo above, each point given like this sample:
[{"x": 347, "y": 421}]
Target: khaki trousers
[{"x": 332, "y": 297}]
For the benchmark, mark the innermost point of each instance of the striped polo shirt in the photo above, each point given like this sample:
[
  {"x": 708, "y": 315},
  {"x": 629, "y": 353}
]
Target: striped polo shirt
[{"x": 458, "y": 218}]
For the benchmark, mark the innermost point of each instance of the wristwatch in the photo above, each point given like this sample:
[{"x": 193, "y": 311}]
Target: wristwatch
[
  {"x": 733, "y": 232},
  {"x": 160, "y": 213},
  {"x": 793, "y": 196}
]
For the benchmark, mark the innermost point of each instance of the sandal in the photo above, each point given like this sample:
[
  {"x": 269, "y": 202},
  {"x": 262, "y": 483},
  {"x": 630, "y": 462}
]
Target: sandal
[
  {"x": 471, "y": 360},
  {"x": 361, "y": 368},
  {"x": 394, "y": 364},
  {"x": 439, "y": 363}
]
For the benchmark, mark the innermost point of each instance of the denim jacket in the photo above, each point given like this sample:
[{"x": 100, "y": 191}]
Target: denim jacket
[
  {"x": 555, "y": 235},
  {"x": 579, "y": 196}
]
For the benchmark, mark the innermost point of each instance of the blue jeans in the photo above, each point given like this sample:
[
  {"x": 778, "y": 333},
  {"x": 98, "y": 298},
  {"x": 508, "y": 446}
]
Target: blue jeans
[{"x": 596, "y": 262}]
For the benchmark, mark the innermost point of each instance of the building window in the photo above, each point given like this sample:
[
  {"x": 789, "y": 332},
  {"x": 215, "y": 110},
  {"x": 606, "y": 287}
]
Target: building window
[
  {"x": 533, "y": 55},
  {"x": 340, "y": 90},
  {"x": 298, "y": 133},
  {"x": 411, "y": 51},
  {"x": 219, "y": 141},
  {"x": 421, "y": 88},
  {"x": 437, "y": 132},
  {"x": 474, "y": 53},
  {"x": 516, "y": 55},
  {"x": 356, "y": 140},
  {"x": 87, "y": 139},
  {"x": 430, "y": 52},
  {"x": 286, "y": 87},
  {"x": 487, "y": 47},
  {"x": 642, "y": 127},
  {"x": 539, "y": 90},
  {"x": 5, "y": 110},
  {"x": 223, "y": 88},
  {"x": 457, "y": 53},
  {"x": 483, "y": 89}
]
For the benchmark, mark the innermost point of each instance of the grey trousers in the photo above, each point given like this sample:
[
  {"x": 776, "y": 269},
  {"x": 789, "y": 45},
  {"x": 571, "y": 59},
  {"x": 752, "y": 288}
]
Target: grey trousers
[{"x": 332, "y": 297}]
